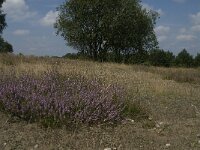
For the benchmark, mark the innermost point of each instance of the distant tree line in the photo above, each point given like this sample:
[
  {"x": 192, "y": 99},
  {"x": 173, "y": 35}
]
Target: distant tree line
[{"x": 156, "y": 57}]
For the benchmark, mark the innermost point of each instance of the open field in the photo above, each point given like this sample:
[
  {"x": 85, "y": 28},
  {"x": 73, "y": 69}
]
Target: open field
[{"x": 169, "y": 96}]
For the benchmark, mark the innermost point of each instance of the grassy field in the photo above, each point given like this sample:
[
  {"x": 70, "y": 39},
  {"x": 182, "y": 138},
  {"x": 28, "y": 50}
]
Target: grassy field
[{"x": 167, "y": 100}]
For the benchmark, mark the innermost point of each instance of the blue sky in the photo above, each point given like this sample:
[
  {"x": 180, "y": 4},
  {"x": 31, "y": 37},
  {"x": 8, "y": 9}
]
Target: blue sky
[{"x": 30, "y": 26}]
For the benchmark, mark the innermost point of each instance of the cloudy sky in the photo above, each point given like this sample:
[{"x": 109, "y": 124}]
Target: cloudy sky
[{"x": 30, "y": 26}]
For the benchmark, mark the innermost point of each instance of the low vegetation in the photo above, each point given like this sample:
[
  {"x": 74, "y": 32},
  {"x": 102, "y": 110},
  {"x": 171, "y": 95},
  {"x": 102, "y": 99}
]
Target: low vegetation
[
  {"x": 55, "y": 99},
  {"x": 150, "y": 107}
]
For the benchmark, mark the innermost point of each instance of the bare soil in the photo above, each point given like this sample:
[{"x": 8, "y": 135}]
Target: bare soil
[{"x": 148, "y": 134}]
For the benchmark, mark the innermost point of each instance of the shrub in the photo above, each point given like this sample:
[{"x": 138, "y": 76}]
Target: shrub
[
  {"x": 159, "y": 57},
  {"x": 197, "y": 60},
  {"x": 184, "y": 59},
  {"x": 53, "y": 98}
]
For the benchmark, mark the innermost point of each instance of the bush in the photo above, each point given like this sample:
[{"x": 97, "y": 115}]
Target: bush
[
  {"x": 159, "y": 57},
  {"x": 197, "y": 60},
  {"x": 184, "y": 59},
  {"x": 56, "y": 99},
  {"x": 5, "y": 47}
]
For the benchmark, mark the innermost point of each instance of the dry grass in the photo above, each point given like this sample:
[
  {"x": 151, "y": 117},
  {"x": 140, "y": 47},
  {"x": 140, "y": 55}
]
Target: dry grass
[{"x": 170, "y": 96}]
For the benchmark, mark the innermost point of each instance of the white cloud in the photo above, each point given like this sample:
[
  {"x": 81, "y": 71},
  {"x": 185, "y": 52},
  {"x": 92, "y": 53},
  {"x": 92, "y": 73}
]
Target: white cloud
[
  {"x": 183, "y": 30},
  {"x": 49, "y": 19},
  {"x": 161, "y": 12},
  {"x": 160, "y": 30},
  {"x": 179, "y": 1},
  {"x": 185, "y": 37},
  {"x": 17, "y": 9},
  {"x": 195, "y": 28},
  {"x": 162, "y": 38},
  {"x": 148, "y": 7},
  {"x": 196, "y": 18},
  {"x": 21, "y": 32}
]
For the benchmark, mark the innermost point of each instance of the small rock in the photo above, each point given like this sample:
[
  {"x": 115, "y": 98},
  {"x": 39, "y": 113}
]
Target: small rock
[
  {"x": 157, "y": 126},
  {"x": 107, "y": 149},
  {"x": 198, "y": 135},
  {"x": 161, "y": 123},
  {"x": 131, "y": 120},
  {"x": 36, "y": 146},
  {"x": 168, "y": 145},
  {"x": 199, "y": 141},
  {"x": 150, "y": 118},
  {"x": 4, "y": 144}
]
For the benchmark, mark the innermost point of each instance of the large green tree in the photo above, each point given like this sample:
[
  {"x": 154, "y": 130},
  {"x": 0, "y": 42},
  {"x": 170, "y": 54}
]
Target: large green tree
[{"x": 98, "y": 28}]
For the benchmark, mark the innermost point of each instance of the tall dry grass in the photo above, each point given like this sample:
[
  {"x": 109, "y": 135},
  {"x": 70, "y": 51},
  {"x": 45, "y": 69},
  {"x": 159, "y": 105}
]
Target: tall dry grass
[
  {"x": 170, "y": 97},
  {"x": 153, "y": 87}
]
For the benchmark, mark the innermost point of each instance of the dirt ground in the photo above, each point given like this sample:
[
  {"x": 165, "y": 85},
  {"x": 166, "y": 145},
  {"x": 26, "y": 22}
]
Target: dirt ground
[{"x": 144, "y": 135}]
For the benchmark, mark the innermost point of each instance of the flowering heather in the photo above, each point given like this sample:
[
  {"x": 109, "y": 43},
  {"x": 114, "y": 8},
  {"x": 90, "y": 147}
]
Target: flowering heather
[{"x": 63, "y": 99}]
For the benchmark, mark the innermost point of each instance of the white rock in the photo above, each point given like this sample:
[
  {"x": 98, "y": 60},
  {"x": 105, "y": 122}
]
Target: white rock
[
  {"x": 168, "y": 145},
  {"x": 161, "y": 123},
  {"x": 36, "y": 146},
  {"x": 4, "y": 144},
  {"x": 150, "y": 118},
  {"x": 157, "y": 126},
  {"x": 131, "y": 120},
  {"x": 107, "y": 148}
]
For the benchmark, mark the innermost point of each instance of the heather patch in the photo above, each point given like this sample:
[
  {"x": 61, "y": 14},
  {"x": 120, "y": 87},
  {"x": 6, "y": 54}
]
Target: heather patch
[{"x": 56, "y": 99}]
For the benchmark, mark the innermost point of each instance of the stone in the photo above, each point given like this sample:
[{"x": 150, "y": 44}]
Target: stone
[
  {"x": 36, "y": 146},
  {"x": 107, "y": 148}
]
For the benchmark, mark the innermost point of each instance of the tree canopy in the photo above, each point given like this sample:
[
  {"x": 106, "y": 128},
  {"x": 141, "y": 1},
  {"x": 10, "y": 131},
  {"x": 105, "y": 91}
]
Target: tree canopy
[
  {"x": 2, "y": 18},
  {"x": 184, "y": 59},
  {"x": 5, "y": 47},
  {"x": 197, "y": 60},
  {"x": 159, "y": 57},
  {"x": 100, "y": 28}
]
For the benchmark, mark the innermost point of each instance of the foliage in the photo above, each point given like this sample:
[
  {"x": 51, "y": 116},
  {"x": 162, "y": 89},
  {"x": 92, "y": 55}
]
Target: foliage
[
  {"x": 75, "y": 56},
  {"x": 57, "y": 99},
  {"x": 159, "y": 57},
  {"x": 5, "y": 47},
  {"x": 184, "y": 59},
  {"x": 2, "y": 18},
  {"x": 197, "y": 60},
  {"x": 97, "y": 28}
]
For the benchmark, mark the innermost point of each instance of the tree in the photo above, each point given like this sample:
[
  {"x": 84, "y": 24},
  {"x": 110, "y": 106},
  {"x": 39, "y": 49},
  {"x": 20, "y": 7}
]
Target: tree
[
  {"x": 184, "y": 59},
  {"x": 5, "y": 47},
  {"x": 159, "y": 57},
  {"x": 98, "y": 28},
  {"x": 197, "y": 60},
  {"x": 2, "y": 18}
]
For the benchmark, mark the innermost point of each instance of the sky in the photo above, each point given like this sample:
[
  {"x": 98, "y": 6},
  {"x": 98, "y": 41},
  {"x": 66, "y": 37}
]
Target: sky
[{"x": 30, "y": 26}]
